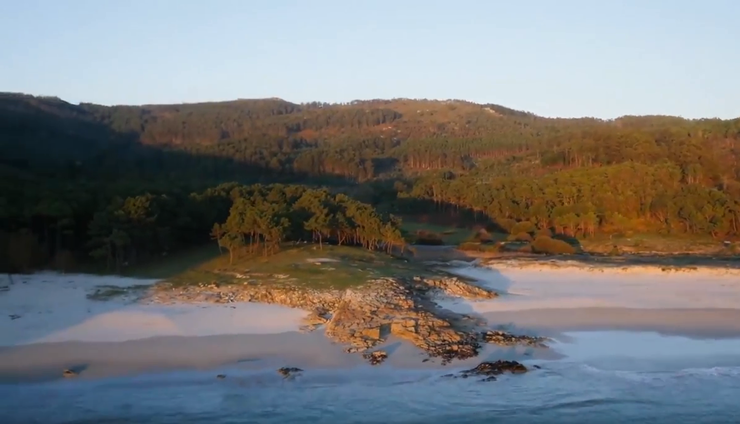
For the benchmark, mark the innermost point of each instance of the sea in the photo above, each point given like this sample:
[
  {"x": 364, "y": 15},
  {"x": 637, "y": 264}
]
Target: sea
[{"x": 601, "y": 377}]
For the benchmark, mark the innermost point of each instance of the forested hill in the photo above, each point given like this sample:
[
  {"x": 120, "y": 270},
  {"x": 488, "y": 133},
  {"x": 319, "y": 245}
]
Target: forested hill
[{"x": 575, "y": 176}]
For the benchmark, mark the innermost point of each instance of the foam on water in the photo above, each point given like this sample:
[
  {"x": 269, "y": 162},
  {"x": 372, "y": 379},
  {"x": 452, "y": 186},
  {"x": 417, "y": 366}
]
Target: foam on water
[{"x": 588, "y": 387}]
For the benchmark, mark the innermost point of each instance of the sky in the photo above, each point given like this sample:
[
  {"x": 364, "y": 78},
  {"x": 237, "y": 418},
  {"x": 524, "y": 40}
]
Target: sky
[{"x": 566, "y": 58}]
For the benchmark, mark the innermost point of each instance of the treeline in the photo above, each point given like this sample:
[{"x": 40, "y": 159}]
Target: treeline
[
  {"x": 69, "y": 225},
  {"x": 264, "y": 217},
  {"x": 582, "y": 202},
  {"x": 579, "y": 176}
]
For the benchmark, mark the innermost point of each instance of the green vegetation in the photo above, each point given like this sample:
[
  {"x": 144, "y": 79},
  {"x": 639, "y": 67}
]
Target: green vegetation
[
  {"x": 654, "y": 243},
  {"x": 124, "y": 185},
  {"x": 304, "y": 265},
  {"x": 431, "y": 234},
  {"x": 544, "y": 244}
]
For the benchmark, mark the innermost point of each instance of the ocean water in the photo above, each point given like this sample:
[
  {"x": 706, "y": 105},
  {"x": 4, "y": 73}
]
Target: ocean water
[{"x": 604, "y": 377}]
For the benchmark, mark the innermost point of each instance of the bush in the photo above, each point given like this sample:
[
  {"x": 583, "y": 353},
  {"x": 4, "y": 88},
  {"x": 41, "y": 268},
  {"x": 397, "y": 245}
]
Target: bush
[
  {"x": 520, "y": 237},
  {"x": 482, "y": 235},
  {"x": 469, "y": 247},
  {"x": 472, "y": 246},
  {"x": 543, "y": 232},
  {"x": 506, "y": 224},
  {"x": 428, "y": 238},
  {"x": 523, "y": 227},
  {"x": 544, "y": 244},
  {"x": 491, "y": 248}
]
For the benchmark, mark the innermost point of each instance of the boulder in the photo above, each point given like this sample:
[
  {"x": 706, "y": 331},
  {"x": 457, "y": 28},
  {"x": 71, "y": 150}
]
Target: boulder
[
  {"x": 375, "y": 358},
  {"x": 490, "y": 370},
  {"x": 287, "y": 372}
]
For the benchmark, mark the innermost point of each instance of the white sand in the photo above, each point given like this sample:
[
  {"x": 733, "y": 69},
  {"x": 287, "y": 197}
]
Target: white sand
[
  {"x": 54, "y": 308},
  {"x": 525, "y": 288},
  {"x": 116, "y": 336},
  {"x": 552, "y": 300}
]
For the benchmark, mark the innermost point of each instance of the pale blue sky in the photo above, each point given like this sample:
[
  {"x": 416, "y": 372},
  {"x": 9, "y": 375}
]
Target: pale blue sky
[{"x": 555, "y": 58}]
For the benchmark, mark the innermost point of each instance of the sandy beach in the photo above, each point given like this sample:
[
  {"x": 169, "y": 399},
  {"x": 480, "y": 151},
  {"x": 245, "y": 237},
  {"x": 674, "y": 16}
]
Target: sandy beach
[{"x": 52, "y": 323}]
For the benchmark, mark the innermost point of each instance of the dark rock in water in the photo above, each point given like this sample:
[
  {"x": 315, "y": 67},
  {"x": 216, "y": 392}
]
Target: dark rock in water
[
  {"x": 490, "y": 370},
  {"x": 375, "y": 358},
  {"x": 464, "y": 348},
  {"x": 537, "y": 367},
  {"x": 221, "y": 376},
  {"x": 496, "y": 368},
  {"x": 503, "y": 338},
  {"x": 69, "y": 373},
  {"x": 289, "y": 371},
  {"x": 14, "y": 317}
]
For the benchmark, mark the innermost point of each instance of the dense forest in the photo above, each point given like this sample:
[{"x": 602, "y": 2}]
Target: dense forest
[{"x": 124, "y": 182}]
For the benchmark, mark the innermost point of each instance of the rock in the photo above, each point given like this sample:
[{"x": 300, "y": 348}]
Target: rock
[
  {"x": 69, "y": 373},
  {"x": 362, "y": 317},
  {"x": 371, "y": 333},
  {"x": 221, "y": 376},
  {"x": 287, "y": 372},
  {"x": 375, "y": 358},
  {"x": 503, "y": 338},
  {"x": 492, "y": 369},
  {"x": 14, "y": 317}
]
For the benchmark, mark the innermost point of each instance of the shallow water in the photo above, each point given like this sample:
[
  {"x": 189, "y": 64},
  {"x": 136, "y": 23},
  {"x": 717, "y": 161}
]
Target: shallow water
[{"x": 607, "y": 377}]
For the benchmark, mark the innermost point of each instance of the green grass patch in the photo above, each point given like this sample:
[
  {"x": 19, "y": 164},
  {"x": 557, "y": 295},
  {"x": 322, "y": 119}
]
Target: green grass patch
[
  {"x": 161, "y": 267},
  {"x": 304, "y": 266},
  {"x": 653, "y": 243},
  {"x": 447, "y": 234}
]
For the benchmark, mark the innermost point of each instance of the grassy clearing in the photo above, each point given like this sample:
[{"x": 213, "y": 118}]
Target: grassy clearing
[
  {"x": 654, "y": 243},
  {"x": 448, "y": 234},
  {"x": 304, "y": 265},
  {"x": 159, "y": 268}
]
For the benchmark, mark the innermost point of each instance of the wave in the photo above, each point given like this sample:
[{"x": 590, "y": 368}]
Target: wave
[{"x": 654, "y": 376}]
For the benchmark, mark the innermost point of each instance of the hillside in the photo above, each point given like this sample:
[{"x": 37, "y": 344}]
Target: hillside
[{"x": 62, "y": 163}]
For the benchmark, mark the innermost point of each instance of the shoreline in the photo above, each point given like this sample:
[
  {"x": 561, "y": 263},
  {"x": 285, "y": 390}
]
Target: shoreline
[
  {"x": 121, "y": 336},
  {"x": 648, "y": 262},
  {"x": 265, "y": 353}
]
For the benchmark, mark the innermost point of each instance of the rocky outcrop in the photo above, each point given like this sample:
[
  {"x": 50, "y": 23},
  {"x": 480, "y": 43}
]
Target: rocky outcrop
[
  {"x": 503, "y": 338},
  {"x": 69, "y": 373},
  {"x": 376, "y": 357},
  {"x": 489, "y": 370},
  {"x": 365, "y": 316},
  {"x": 289, "y": 372}
]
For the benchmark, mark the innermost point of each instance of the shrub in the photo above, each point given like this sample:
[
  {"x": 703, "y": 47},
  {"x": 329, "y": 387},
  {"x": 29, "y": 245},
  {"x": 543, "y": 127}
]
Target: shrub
[
  {"x": 615, "y": 251},
  {"x": 491, "y": 248},
  {"x": 520, "y": 237},
  {"x": 428, "y": 238},
  {"x": 543, "y": 232},
  {"x": 523, "y": 227},
  {"x": 544, "y": 244},
  {"x": 506, "y": 224},
  {"x": 469, "y": 247}
]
